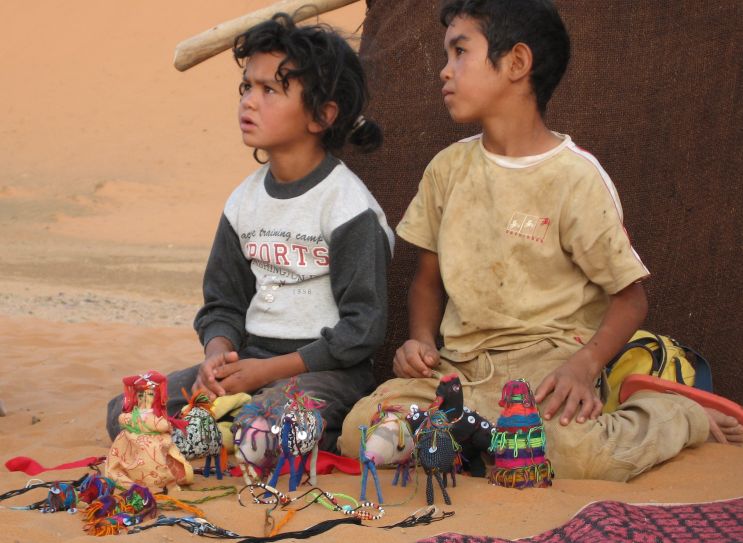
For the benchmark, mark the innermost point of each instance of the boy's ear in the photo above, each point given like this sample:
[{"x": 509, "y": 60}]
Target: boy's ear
[
  {"x": 521, "y": 62},
  {"x": 329, "y": 114}
]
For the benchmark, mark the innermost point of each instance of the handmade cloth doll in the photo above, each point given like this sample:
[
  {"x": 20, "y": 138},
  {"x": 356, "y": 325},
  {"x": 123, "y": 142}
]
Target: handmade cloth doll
[
  {"x": 256, "y": 445},
  {"x": 437, "y": 452},
  {"x": 144, "y": 452},
  {"x": 519, "y": 441},
  {"x": 469, "y": 429},
  {"x": 387, "y": 440},
  {"x": 299, "y": 429},
  {"x": 201, "y": 438}
]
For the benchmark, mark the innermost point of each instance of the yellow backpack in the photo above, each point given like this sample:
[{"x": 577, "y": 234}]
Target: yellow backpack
[{"x": 654, "y": 354}]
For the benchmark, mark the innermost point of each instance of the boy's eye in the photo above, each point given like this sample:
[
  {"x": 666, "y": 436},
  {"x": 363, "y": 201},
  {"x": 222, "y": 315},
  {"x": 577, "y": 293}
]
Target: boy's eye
[
  {"x": 268, "y": 90},
  {"x": 458, "y": 51},
  {"x": 243, "y": 88}
]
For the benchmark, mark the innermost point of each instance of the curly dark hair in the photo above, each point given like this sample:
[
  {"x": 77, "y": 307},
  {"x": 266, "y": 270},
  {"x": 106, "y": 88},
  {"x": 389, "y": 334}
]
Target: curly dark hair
[
  {"x": 534, "y": 22},
  {"x": 328, "y": 69}
]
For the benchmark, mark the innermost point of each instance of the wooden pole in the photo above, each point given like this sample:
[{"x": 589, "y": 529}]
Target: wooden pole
[{"x": 198, "y": 48}]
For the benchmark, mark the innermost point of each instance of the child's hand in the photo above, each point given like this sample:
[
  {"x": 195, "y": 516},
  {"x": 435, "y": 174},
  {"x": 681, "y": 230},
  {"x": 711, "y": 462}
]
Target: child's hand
[
  {"x": 207, "y": 379},
  {"x": 572, "y": 387},
  {"x": 415, "y": 359},
  {"x": 244, "y": 375}
]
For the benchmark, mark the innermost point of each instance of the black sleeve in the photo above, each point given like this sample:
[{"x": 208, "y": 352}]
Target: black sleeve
[
  {"x": 229, "y": 285},
  {"x": 359, "y": 256}
]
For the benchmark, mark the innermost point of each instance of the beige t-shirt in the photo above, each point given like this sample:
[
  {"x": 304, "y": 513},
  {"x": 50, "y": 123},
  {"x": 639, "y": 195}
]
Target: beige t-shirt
[{"x": 529, "y": 248}]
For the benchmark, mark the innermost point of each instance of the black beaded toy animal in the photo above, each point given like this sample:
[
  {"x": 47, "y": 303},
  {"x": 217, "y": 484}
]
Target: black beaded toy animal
[
  {"x": 437, "y": 452},
  {"x": 470, "y": 430}
]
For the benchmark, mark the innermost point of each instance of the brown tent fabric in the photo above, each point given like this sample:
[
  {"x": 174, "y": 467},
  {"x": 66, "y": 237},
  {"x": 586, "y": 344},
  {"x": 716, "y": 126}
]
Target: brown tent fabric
[{"x": 654, "y": 92}]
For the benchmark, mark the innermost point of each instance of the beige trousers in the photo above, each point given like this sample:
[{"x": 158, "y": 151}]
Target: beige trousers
[{"x": 646, "y": 430}]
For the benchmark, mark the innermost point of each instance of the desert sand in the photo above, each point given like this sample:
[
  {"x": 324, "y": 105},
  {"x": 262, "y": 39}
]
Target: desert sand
[{"x": 113, "y": 171}]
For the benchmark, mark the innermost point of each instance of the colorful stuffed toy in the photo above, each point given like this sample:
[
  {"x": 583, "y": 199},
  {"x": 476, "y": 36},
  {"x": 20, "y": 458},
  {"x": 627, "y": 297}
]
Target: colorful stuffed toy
[
  {"x": 256, "y": 446},
  {"x": 201, "y": 438},
  {"x": 470, "y": 430},
  {"x": 144, "y": 453},
  {"x": 387, "y": 440},
  {"x": 61, "y": 497},
  {"x": 519, "y": 443},
  {"x": 437, "y": 452},
  {"x": 299, "y": 430},
  {"x": 94, "y": 486}
]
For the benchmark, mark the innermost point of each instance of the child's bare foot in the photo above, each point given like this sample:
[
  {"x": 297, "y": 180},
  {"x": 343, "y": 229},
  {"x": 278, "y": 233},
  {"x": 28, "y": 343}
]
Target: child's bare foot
[{"x": 724, "y": 428}]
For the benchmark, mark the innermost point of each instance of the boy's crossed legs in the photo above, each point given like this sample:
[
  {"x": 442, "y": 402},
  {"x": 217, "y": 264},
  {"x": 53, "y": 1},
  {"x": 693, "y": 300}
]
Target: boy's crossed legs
[{"x": 650, "y": 427}]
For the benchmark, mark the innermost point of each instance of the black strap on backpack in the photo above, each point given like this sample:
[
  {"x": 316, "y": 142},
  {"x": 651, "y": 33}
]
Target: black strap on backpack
[
  {"x": 659, "y": 357},
  {"x": 703, "y": 377}
]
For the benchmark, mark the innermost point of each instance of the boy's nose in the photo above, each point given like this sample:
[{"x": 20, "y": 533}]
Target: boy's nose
[{"x": 445, "y": 73}]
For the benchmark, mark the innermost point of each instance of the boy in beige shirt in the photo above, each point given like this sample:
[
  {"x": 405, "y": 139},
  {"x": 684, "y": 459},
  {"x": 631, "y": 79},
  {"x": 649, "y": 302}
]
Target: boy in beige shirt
[{"x": 522, "y": 231}]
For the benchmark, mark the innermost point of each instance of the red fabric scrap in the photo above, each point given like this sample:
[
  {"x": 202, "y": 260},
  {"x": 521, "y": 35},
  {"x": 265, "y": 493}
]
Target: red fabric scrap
[
  {"x": 29, "y": 466},
  {"x": 326, "y": 463}
]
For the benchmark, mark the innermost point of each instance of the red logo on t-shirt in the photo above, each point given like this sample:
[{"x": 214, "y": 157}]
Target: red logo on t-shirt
[{"x": 528, "y": 226}]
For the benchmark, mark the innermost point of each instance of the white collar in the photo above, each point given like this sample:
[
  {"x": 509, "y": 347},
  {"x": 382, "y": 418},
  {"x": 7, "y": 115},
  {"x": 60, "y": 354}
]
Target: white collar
[{"x": 524, "y": 161}]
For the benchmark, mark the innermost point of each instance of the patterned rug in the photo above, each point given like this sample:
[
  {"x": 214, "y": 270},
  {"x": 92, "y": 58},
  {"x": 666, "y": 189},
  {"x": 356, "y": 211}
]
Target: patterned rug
[{"x": 721, "y": 522}]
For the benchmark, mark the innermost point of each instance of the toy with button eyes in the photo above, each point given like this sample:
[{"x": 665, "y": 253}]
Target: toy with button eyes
[
  {"x": 62, "y": 497},
  {"x": 449, "y": 399},
  {"x": 436, "y": 448},
  {"x": 256, "y": 446},
  {"x": 299, "y": 429},
  {"x": 470, "y": 430}
]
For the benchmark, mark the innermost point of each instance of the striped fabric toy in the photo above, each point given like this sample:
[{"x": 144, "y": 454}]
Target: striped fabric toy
[{"x": 518, "y": 443}]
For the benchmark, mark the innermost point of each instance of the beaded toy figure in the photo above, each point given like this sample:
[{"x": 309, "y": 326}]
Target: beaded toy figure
[
  {"x": 65, "y": 495},
  {"x": 61, "y": 497},
  {"x": 201, "y": 437},
  {"x": 518, "y": 442},
  {"x": 299, "y": 430},
  {"x": 469, "y": 429},
  {"x": 437, "y": 451},
  {"x": 144, "y": 452},
  {"x": 388, "y": 440},
  {"x": 256, "y": 446}
]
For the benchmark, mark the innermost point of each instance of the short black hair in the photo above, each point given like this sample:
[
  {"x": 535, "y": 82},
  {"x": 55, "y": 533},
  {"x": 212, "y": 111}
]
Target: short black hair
[
  {"x": 328, "y": 69},
  {"x": 535, "y": 23}
]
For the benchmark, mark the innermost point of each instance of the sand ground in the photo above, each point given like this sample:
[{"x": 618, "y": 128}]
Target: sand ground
[{"x": 113, "y": 171}]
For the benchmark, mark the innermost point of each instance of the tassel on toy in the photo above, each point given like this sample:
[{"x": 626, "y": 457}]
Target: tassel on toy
[{"x": 109, "y": 514}]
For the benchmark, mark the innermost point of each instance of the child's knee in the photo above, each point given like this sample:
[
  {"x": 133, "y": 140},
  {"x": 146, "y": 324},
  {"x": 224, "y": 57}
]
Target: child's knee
[{"x": 400, "y": 392}]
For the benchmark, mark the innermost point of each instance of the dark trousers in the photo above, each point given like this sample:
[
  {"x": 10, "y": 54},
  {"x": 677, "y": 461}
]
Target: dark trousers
[{"x": 339, "y": 389}]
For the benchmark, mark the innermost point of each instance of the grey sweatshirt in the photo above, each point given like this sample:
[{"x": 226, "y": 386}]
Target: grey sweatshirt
[{"x": 300, "y": 266}]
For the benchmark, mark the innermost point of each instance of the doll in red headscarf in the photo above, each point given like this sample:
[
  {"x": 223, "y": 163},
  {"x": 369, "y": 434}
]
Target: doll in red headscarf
[{"x": 143, "y": 452}]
